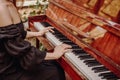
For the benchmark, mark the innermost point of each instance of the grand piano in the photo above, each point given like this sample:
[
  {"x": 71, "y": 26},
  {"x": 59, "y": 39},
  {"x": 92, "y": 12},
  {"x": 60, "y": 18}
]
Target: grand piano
[{"x": 92, "y": 28}]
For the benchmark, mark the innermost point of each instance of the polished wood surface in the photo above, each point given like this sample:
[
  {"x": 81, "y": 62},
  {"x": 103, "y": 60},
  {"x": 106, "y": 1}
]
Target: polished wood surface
[
  {"x": 110, "y": 9},
  {"x": 77, "y": 21}
]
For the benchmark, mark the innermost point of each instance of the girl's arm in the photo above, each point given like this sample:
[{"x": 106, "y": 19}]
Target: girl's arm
[{"x": 40, "y": 33}]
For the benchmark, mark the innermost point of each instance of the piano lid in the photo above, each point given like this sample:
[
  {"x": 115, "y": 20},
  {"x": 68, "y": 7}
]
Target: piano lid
[
  {"x": 81, "y": 22},
  {"x": 110, "y": 9}
]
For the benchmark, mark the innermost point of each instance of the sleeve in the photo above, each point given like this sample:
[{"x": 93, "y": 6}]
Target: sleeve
[
  {"x": 23, "y": 32},
  {"x": 28, "y": 55}
]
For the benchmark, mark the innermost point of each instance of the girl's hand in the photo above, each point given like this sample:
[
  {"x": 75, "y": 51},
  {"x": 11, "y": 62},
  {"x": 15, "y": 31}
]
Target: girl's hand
[
  {"x": 60, "y": 50},
  {"x": 42, "y": 32}
]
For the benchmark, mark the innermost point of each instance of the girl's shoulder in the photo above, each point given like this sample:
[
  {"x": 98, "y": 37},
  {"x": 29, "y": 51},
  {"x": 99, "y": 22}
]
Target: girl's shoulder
[{"x": 5, "y": 5}]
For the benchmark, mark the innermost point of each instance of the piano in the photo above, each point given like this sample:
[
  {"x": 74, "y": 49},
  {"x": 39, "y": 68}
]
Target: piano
[{"x": 94, "y": 37}]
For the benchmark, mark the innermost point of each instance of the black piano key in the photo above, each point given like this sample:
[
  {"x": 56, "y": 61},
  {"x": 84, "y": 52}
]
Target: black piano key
[
  {"x": 89, "y": 61},
  {"x": 76, "y": 47},
  {"x": 107, "y": 73},
  {"x": 79, "y": 51},
  {"x": 110, "y": 77},
  {"x": 84, "y": 57},
  {"x": 113, "y": 79},
  {"x": 69, "y": 42},
  {"x": 63, "y": 39},
  {"x": 45, "y": 24},
  {"x": 55, "y": 32},
  {"x": 99, "y": 69},
  {"x": 78, "y": 54},
  {"x": 92, "y": 63},
  {"x": 82, "y": 54},
  {"x": 59, "y": 36}
]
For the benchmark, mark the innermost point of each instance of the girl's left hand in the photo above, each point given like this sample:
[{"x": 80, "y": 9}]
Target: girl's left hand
[
  {"x": 47, "y": 29},
  {"x": 42, "y": 32}
]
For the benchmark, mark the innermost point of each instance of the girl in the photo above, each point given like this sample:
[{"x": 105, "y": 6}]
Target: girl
[{"x": 18, "y": 59}]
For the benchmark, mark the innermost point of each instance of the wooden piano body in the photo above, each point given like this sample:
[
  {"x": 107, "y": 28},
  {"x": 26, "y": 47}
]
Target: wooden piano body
[{"x": 77, "y": 18}]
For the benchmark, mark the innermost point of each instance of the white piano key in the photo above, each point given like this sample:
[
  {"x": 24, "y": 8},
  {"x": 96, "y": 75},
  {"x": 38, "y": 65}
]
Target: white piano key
[
  {"x": 82, "y": 67},
  {"x": 53, "y": 39},
  {"x": 38, "y": 26}
]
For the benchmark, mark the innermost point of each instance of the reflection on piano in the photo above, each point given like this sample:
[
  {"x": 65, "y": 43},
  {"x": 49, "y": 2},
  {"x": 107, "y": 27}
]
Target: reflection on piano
[
  {"x": 88, "y": 65},
  {"x": 94, "y": 40}
]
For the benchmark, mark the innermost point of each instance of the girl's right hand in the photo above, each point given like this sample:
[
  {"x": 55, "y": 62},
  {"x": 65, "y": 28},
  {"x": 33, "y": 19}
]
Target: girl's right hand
[{"x": 60, "y": 50}]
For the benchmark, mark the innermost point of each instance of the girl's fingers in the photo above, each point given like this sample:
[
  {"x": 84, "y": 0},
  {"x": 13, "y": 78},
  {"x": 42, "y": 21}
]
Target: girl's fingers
[
  {"x": 49, "y": 29},
  {"x": 66, "y": 46}
]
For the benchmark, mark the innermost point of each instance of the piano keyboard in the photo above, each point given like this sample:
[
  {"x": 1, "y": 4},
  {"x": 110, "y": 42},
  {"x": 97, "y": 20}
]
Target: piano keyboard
[{"x": 84, "y": 62}]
